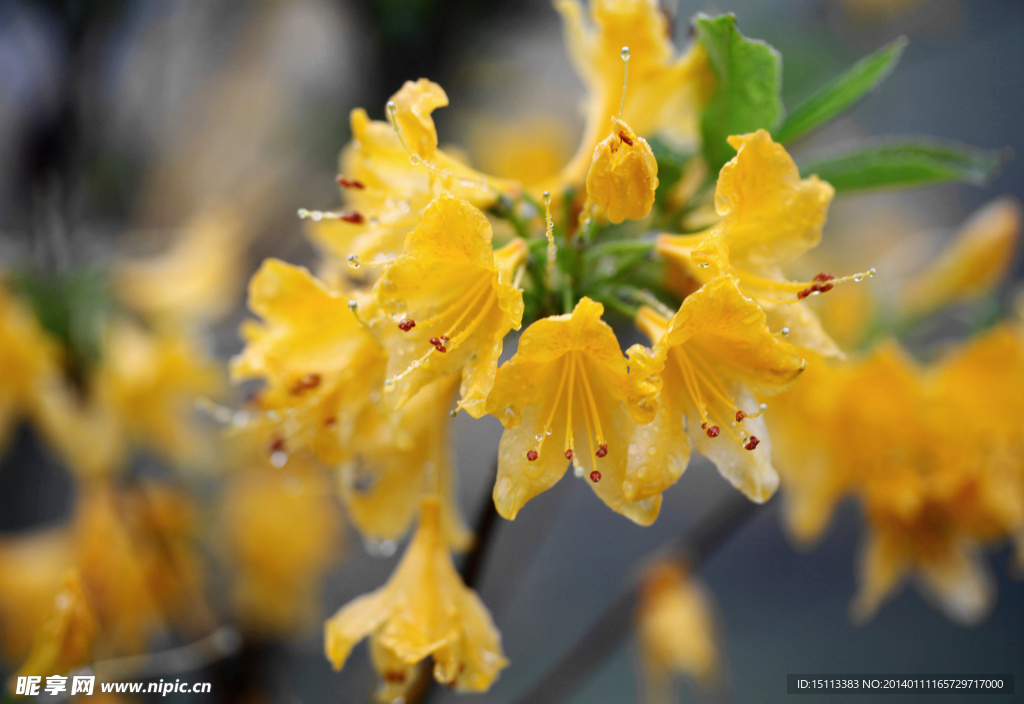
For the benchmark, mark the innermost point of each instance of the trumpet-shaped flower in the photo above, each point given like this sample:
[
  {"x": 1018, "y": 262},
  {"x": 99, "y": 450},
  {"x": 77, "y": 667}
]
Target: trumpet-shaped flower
[
  {"x": 666, "y": 91},
  {"x": 769, "y": 215},
  {"x": 566, "y": 396},
  {"x": 424, "y": 609},
  {"x": 454, "y": 299},
  {"x": 623, "y": 175},
  {"x": 709, "y": 359}
]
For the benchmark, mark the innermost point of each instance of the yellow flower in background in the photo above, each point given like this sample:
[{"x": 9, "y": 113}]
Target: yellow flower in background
[
  {"x": 931, "y": 496},
  {"x": 566, "y": 396},
  {"x": 282, "y": 531},
  {"x": 977, "y": 260},
  {"x": 676, "y": 631},
  {"x": 386, "y": 184},
  {"x": 711, "y": 360},
  {"x": 197, "y": 279},
  {"x": 453, "y": 299},
  {"x": 623, "y": 175},
  {"x": 64, "y": 642},
  {"x": 423, "y": 610},
  {"x": 666, "y": 90},
  {"x": 396, "y": 459},
  {"x": 31, "y": 361},
  {"x": 769, "y": 215}
]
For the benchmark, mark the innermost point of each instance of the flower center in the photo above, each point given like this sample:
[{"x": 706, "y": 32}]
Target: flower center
[{"x": 575, "y": 387}]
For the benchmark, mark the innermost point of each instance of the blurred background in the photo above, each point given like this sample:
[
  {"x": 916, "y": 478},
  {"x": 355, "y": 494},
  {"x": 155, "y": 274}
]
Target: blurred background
[{"x": 122, "y": 122}]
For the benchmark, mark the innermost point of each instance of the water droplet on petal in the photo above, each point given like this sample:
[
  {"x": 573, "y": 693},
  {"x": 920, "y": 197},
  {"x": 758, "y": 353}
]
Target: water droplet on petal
[
  {"x": 415, "y": 159},
  {"x": 354, "y": 262},
  {"x": 380, "y": 548},
  {"x": 279, "y": 459},
  {"x": 624, "y": 53}
]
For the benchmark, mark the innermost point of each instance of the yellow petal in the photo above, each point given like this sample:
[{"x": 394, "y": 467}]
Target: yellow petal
[
  {"x": 414, "y": 103},
  {"x": 65, "y": 641},
  {"x": 973, "y": 264}
]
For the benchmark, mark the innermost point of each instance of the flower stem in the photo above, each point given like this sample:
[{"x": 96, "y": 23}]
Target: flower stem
[{"x": 614, "y": 624}]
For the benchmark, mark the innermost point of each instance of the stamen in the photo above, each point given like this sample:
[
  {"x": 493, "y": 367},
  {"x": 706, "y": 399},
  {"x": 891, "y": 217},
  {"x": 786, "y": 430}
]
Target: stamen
[
  {"x": 752, "y": 443},
  {"x": 278, "y": 444},
  {"x": 740, "y": 415},
  {"x": 593, "y": 408},
  {"x": 350, "y": 183},
  {"x": 595, "y": 476},
  {"x": 406, "y": 325},
  {"x": 713, "y": 431},
  {"x": 602, "y": 450},
  {"x": 625, "y": 77},
  {"x": 531, "y": 455},
  {"x": 568, "y": 454},
  {"x": 309, "y": 381},
  {"x": 623, "y": 137},
  {"x": 350, "y": 216},
  {"x": 780, "y": 291}
]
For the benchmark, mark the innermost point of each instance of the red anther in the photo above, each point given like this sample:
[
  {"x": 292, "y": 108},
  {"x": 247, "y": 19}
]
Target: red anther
[
  {"x": 406, "y": 325},
  {"x": 568, "y": 454},
  {"x": 624, "y": 138},
  {"x": 805, "y": 293},
  {"x": 434, "y": 341},
  {"x": 394, "y": 676},
  {"x": 350, "y": 182},
  {"x": 713, "y": 431},
  {"x": 740, "y": 415},
  {"x": 278, "y": 445},
  {"x": 442, "y": 348},
  {"x": 752, "y": 443},
  {"x": 330, "y": 422},
  {"x": 446, "y": 338},
  {"x": 595, "y": 476},
  {"x": 437, "y": 344},
  {"x": 703, "y": 426},
  {"x": 352, "y": 217},
  {"x": 310, "y": 381},
  {"x": 826, "y": 288},
  {"x": 602, "y": 450},
  {"x": 822, "y": 277},
  {"x": 531, "y": 455},
  {"x": 817, "y": 287}
]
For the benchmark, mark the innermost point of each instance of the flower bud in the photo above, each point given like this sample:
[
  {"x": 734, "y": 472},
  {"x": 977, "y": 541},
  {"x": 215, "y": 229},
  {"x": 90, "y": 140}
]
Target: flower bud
[{"x": 623, "y": 175}]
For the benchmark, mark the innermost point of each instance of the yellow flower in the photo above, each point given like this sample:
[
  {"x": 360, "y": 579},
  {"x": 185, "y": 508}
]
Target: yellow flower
[
  {"x": 710, "y": 360},
  {"x": 196, "y": 280},
  {"x": 666, "y": 91},
  {"x": 453, "y": 299},
  {"x": 623, "y": 175},
  {"x": 931, "y": 497},
  {"x": 769, "y": 216},
  {"x": 385, "y": 184},
  {"x": 322, "y": 366},
  {"x": 64, "y": 642},
  {"x": 31, "y": 361},
  {"x": 676, "y": 630},
  {"x": 566, "y": 395},
  {"x": 282, "y": 529},
  {"x": 397, "y": 458},
  {"x": 975, "y": 263},
  {"x": 424, "y": 609}
]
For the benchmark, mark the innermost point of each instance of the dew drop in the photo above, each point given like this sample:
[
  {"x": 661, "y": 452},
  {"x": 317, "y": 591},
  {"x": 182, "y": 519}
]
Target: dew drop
[
  {"x": 872, "y": 271},
  {"x": 453, "y": 413},
  {"x": 380, "y": 548},
  {"x": 389, "y": 382},
  {"x": 763, "y": 406},
  {"x": 303, "y": 213},
  {"x": 415, "y": 159},
  {"x": 651, "y": 451},
  {"x": 624, "y": 53},
  {"x": 279, "y": 459},
  {"x": 392, "y": 108},
  {"x": 273, "y": 416},
  {"x": 239, "y": 419},
  {"x": 354, "y": 262},
  {"x": 538, "y": 437},
  {"x": 577, "y": 470},
  {"x": 784, "y": 331}
]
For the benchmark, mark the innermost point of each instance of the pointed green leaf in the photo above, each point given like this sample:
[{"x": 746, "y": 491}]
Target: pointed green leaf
[
  {"x": 841, "y": 93},
  {"x": 896, "y": 163},
  {"x": 749, "y": 80}
]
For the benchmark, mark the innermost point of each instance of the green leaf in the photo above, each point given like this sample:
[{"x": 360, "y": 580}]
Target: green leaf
[
  {"x": 895, "y": 163},
  {"x": 749, "y": 80},
  {"x": 841, "y": 93},
  {"x": 670, "y": 167}
]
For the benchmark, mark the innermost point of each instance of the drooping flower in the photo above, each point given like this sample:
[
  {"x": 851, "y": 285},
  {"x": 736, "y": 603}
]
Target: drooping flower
[
  {"x": 623, "y": 175},
  {"x": 424, "y": 610},
  {"x": 566, "y": 396},
  {"x": 666, "y": 90},
  {"x": 769, "y": 215},
  {"x": 65, "y": 641},
  {"x": 398, "y": 457},
  {"x": 676, "y": 630},
  {"x": 457, "y": 300},
  {"x": 711, "y": 360}
]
